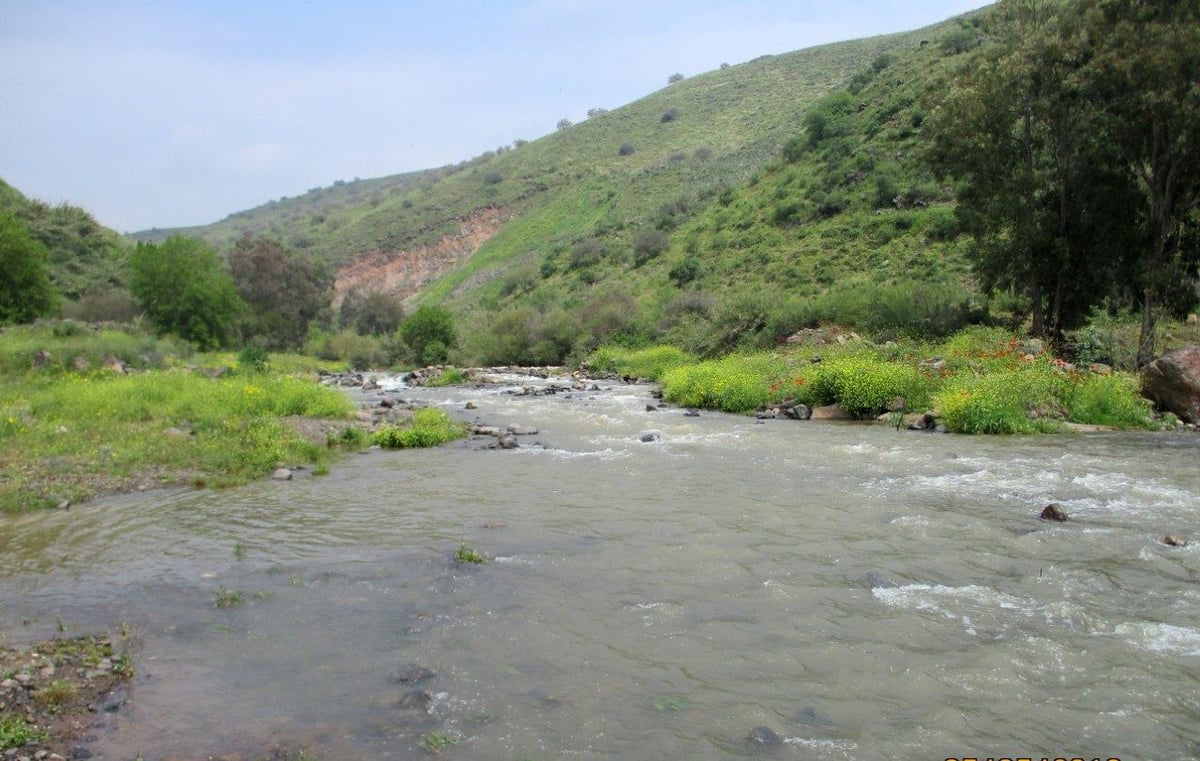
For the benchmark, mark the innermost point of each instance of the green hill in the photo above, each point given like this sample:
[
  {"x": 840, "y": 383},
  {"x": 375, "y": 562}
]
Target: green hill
[
  {"x": 87, "y": 260},
  {"x": 551, "y": 223}
]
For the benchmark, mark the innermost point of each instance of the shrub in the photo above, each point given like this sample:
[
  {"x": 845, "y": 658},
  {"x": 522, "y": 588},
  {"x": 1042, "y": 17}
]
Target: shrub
[
  {"x": 648, "y": 244},
  {"x": 1110, "y": 400},
  {"x": 865, "y": 385},
  {"x": 685, "y": 271},
  {"x": 733, "y": 384},
  {"x": 429, "y": 428},
  {"x": 649, "y": 363},
  {"x": 586, "y": 253},
  {"x": 670, "y": 115},
  {"x": 1025, "y": 400},
  {"x": 626, "y": 149},
  {"x": 429, "y": 334}
]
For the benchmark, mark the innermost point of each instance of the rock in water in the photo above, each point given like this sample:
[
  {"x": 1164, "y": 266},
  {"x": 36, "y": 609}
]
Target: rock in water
[
  {"x": 1174, "y": 541},
  {"x": 411, "y": 674},
  {"x": 282, "y": 474},
  {"x": 1173, "y": 383},
  {"x": 1054, "y": 512},
  {"x": 765, "y": 736}
]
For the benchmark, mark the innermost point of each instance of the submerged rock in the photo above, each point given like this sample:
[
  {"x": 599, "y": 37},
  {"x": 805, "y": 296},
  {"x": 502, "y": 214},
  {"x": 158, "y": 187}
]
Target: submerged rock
[
  {"x": 411, "y": 673},
  {"x": 1053, "y": 512},
  {"x": 765, "y": 736},
  {"x": 649, "y": 437},
  {"x": 1174, "y": 541}
]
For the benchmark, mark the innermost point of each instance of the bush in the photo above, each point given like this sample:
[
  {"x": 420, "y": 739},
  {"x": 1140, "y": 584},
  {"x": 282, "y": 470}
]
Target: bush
[
  {"x": 1025, "y": 400},
  {"x": 429, "y": 428},
  {"x": 1110, "y": 400},
  {"x": 685, "y": 271},
  {"x": 649, "y": 363},
  {"x": 626, "y": 149},
  {"x": 429, "y": 334},
  {"x": 648, "y": 244},
  {"x": 732, "y": 384},
  {"x": 865, "y": 385}
]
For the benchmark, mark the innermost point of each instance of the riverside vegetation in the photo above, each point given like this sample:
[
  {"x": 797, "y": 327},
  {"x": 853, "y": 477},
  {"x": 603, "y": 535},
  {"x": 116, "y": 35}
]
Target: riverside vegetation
[
  {"x": 85, "y": 412},
  {"x": 980, "y": 380}
]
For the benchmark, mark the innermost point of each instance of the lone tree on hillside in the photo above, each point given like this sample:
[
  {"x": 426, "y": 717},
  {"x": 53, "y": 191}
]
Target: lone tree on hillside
[{"x": 674, "y": 78}]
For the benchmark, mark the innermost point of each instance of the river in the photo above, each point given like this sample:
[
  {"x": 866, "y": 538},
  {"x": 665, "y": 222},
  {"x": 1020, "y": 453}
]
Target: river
[{"x": 727, "y": 588}]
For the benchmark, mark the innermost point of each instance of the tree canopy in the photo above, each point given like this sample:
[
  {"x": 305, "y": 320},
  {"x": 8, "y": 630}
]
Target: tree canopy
[
  {"x": 284, "y": 292},
  {"x": 184, "y": 289},
  {"x": 25, "y": 290},
  {"x": 1075, "y": 140}
]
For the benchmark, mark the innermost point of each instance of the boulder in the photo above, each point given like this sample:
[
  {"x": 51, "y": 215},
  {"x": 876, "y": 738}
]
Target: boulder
[
  {"x": 1172, "y": 382},
  {"x": 1174, "y": 541},
  {"x": 831, "y": 412},
  {"x": 282, "y": 474}
]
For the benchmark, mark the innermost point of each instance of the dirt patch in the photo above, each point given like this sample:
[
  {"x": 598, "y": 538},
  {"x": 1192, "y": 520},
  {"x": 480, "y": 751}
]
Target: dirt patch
[
  {"x": 54, "y": 695},
  {"x": 406, "y": 272}
]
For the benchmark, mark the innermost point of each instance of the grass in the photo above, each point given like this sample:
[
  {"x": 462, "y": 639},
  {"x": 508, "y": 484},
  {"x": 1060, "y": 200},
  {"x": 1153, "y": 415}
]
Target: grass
[
  {"x": 467, "y": 555},
  {"x": 436, "y": 741},
  {"x": 650, "y": 363},
  {"x": 55, "y": 695},
  {"x": 228, "y": 598},
  {"x": 15, "y": 732},
  {"x": 68, "y": 435},
  {"x": 429, "y": 428}
]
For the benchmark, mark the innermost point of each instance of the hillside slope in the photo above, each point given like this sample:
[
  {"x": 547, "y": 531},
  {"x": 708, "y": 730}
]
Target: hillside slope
[
  {"x": 86, "y": 258},
  {"x": 684, "y": 142}
]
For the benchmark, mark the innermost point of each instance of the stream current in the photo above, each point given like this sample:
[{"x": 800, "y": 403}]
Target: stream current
[{"x": 729, "y": 588}]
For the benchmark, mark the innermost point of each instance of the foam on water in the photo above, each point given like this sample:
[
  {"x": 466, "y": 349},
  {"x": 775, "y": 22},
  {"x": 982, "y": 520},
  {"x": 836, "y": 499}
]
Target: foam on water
[{"x": 1161, "y": 638}]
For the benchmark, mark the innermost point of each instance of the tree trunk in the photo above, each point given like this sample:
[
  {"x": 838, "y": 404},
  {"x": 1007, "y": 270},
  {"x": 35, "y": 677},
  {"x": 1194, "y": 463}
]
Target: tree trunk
[{"x": 1145, "y": 353}]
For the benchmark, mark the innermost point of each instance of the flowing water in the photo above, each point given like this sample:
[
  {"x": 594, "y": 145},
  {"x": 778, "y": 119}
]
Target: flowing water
[{"x": 731, "y": 588}]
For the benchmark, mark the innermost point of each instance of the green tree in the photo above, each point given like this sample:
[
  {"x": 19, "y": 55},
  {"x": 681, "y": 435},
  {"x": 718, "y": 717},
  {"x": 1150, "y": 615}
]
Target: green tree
[
  {"x": 284, "y": 292},
  {"x": 1143, "y": 76},
  {"x": 183, "y": 287},
  {"x": 379, "y": 314},
  {"x": 429, "y": 334},
  {"x": 1041, "y": 191},
  {"x": 25, "y": 290}
]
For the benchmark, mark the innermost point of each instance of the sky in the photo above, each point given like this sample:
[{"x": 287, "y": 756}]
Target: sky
[{"x": 161, "y": 113}]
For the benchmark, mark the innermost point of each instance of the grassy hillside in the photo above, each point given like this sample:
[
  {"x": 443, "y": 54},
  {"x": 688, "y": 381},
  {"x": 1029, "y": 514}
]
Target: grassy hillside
[
  {"x": 87, "y": 260},
  {"x": 830, "y": 216},
  {"x": 707, "y": 212},
  {"x": 684, "y": 142}
]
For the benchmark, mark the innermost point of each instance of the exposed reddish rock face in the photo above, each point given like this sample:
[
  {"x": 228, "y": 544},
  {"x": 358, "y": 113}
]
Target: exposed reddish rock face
[
  {"x": 1173, "y": 383},
  {"x": 406, "y": 272}
]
